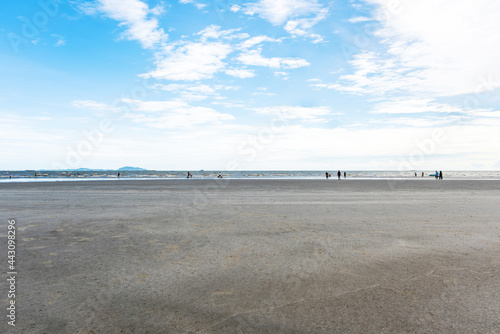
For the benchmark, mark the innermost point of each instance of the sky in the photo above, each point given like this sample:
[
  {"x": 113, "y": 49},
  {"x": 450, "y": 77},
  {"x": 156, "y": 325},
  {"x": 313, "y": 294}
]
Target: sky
[{"x": 250, "y": 85}]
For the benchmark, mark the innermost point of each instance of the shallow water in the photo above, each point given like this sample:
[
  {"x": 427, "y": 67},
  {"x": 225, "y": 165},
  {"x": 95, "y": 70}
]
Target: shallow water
[{"x": 52, "y": 176}]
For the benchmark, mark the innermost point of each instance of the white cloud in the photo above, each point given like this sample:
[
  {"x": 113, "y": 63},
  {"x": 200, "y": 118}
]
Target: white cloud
[
  {"x": 415, "y": 122},
  {"x": 358, "y": 19},
  {"x": 263, "y": 94},
  {"x": 197, "y": 88},
  {"x": 232, "y": 105},
  {"x": 376, "y": 75},
  {"x": 213, "y": 31},
  {"x": 191, "y": 61},
  {"x": 278, "y": 11},
  {"x": 172, "y": 114},
  {"x": 443, "y": 48},
  {"x": 299, "y": 16},
  {"x": 256, "y": 40},
  {"x": 254, "y": 58},
  {"x": 412, "y": 105},
  {"x": 136, "y": 16},
  {"x": 186, "y": 87},
  {"x": 199, "y": 60},
  {"x": 302, "y": 27},
  {"x": 235, "y": 8},
  {"x": 424, "y": 112},
  {"x": 327, "y": 85},
  {"x": 155, "y": 106},
  {"x": 240, "y": 73},
  {"x": 195, "y": 92},
  {"x": 86, "y": 7},
  {"x": 30, "y": 142},
  {"x": 296, "y": 112},
  {"x": 485, "y": 113},
  {"x": 60, "y": 40},
  {"x": 263, "y": 91},
  {"x": 282, "y": 74},
  {"x": 308, "y": 148},
  {"x": 197, "y": 5},
  {"x": 93, "y": 105}
]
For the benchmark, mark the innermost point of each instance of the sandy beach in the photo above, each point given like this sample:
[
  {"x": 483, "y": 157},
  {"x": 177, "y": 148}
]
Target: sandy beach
[{"x": 254, "y": 256}]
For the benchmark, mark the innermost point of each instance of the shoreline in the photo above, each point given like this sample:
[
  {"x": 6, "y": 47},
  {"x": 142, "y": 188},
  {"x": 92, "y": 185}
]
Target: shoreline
[{"x": 161, "y": 179}]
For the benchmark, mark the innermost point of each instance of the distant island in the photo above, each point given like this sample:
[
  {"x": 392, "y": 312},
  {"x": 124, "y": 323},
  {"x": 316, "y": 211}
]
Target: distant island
[{"x": 127, "y": 168}]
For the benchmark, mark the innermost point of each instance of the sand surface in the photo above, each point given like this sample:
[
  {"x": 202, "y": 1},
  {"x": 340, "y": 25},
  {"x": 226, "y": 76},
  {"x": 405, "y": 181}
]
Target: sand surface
[{"x": 254, "y": 256}]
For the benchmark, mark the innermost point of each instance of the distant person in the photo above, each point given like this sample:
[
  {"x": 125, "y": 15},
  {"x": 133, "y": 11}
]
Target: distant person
[
  {"x": 415, "y": 174},
  {"x": 189, "y": 176},
  {"x": 436, "y": 175},
  {"x": 118, "y": 174},
  {"x": 422, "y": 174},
  {"x": 440, "y": 174},
  {"x": 338, "y": 174},
  {"x": 327, "y": 175},
  {"x": 345, "y": 175},
  {"x": 219, "y": 176}
]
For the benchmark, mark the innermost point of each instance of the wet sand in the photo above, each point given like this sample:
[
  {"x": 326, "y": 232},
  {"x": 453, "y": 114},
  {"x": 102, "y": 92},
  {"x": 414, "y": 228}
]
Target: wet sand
[{"x": 255, "y": 256}]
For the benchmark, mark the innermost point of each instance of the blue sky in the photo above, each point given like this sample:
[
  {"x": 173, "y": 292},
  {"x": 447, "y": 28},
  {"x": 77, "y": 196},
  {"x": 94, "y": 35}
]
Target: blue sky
[{"x": 250, "y": 85}]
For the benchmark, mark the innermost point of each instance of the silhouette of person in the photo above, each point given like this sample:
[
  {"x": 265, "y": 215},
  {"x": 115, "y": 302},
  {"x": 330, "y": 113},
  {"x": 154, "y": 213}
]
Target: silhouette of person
[
  {"x": 326, "y": 174},
  {"x": 338, "y": 174},
  {"x": 345, "y": 175},
  {"x": 440, "y": 175}
]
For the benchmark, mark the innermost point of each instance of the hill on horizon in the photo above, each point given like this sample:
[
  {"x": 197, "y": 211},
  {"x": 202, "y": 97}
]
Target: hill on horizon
[{"x": 130, "y": 168}]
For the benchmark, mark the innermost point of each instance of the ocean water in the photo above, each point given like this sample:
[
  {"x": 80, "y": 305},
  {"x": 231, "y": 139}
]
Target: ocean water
[{"x": 52, "y": 176}]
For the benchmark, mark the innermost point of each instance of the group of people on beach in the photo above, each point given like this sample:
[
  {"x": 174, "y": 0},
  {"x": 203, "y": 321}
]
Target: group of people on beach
[
  {"x": 190, "y": 176},
  {"x": 339, "y": 174},
  {"x": 437, "y": 175}
]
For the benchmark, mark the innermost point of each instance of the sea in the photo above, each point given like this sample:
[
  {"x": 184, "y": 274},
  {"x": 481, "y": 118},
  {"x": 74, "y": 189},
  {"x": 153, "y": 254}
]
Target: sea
[{"x": 106, "y": 175}]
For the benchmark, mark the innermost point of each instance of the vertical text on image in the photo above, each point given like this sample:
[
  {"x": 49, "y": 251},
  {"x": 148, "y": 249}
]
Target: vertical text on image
[{"x": 12, "y": 271}]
